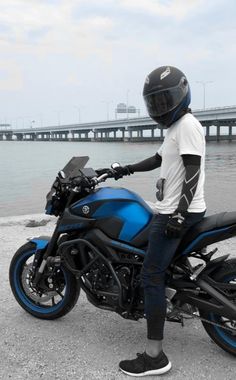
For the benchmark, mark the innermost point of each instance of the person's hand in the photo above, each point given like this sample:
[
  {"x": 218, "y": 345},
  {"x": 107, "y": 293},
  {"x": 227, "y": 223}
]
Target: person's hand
[
  {"x": 120, "y": 171},
  {"x": 175, "y": 225}
]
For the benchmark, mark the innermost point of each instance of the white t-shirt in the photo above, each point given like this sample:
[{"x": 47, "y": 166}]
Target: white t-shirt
[{"x": 185, "y": 136}]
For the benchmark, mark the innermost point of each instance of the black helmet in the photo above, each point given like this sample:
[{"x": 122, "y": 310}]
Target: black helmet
[{"x": 167, "y": 95}]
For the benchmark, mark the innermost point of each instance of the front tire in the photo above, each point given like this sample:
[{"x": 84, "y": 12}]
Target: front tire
[
  {"x": 223, "y": 338},
  {"x": 47, "y": 304}
]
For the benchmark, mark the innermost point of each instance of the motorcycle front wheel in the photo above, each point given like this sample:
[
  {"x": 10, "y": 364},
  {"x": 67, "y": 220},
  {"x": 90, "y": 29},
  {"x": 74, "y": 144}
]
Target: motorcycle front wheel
[
  {"x": 55, "y": 299},
  {"x": 225, "y": 339}
]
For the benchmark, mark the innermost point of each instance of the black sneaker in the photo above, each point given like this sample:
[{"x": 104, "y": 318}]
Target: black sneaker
[{"x": 145, "y": 365}]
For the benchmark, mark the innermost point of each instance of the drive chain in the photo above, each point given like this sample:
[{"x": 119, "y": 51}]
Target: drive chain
[{"x": 233, "y": 332}]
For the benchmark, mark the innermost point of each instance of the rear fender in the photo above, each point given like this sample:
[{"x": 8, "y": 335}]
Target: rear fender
[{"x": 214, "y": 265}]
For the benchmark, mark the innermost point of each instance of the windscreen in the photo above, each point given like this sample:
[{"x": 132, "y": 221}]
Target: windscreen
[{"x": 74, "y": 165}]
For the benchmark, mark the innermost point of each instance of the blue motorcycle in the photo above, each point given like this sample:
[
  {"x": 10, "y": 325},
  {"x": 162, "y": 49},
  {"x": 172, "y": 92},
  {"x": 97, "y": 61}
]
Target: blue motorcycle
[{"x": 99, "y": 245}]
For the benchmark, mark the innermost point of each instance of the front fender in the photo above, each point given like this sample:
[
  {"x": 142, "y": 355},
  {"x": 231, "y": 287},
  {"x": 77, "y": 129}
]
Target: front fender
[{"x": 41, "y": 242}]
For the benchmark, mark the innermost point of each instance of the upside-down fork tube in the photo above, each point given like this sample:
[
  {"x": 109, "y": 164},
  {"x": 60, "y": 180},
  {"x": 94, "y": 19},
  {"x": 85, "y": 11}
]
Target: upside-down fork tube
[
  {"x": 219, "y": 304},
  {"x": 79, "y": 273}
]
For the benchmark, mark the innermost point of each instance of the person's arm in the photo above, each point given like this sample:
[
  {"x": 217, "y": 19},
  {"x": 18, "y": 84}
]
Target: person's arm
[
  {"x": 150, "y": 163},
  {"x": 192, "y": 165}
]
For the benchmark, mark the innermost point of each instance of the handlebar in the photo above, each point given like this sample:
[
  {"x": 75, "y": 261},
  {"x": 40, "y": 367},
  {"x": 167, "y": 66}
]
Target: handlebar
[
  {"x": 88, "y": 182},
  {"x": 100, "y": 179}
]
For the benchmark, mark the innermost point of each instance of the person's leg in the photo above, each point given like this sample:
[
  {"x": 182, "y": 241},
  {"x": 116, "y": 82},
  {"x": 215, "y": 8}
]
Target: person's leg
[
  {"x": 158, "y": 257},
  {"x": 153, "y": 361},
  {"x": 161, "y": 250}
]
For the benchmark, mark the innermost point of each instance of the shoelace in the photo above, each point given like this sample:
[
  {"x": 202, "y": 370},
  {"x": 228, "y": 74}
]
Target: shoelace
[{"x": 141, "y": 355}]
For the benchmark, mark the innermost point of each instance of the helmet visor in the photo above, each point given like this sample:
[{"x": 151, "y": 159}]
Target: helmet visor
[{"x": 161, "y": 102}]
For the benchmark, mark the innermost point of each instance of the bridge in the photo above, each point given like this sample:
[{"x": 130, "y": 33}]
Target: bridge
[{"x": 219, "y": 124}]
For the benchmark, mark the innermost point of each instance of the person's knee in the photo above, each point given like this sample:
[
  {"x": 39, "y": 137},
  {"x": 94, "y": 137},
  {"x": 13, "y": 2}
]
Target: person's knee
[{"x": 152, "y": 276}]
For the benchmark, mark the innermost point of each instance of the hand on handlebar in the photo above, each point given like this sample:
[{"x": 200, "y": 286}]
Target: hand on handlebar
[
  {"x": 116, "y": 172},
  {"x": 121, "y": 171}
]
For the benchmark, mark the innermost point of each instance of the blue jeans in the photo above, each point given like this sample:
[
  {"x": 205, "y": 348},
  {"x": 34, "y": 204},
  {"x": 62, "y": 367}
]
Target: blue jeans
[{"x": 160, "y": 253}]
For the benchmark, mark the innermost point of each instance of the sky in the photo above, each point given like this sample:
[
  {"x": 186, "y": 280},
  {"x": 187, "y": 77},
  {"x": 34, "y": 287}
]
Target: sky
[{"x": 70, "y": 61}]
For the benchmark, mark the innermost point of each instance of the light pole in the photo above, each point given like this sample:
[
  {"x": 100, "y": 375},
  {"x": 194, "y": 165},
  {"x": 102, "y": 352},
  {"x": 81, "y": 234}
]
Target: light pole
[
  {"x": 127, "y": 103},
  {"x": 107, "y": 106},
  {"x": 58, "y": 112},
  {"x": 23, "y": 121},
  {"x": 204, "y": 83},
  {"x": 78, "y": 108}
]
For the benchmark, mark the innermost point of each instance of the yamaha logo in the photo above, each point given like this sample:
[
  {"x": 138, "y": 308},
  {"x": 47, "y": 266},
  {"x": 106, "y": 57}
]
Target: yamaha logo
[{"x": 85, "y": 210}]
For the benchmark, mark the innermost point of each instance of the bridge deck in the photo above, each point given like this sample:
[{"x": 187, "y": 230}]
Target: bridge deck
[{"x": 219, "y": 124}]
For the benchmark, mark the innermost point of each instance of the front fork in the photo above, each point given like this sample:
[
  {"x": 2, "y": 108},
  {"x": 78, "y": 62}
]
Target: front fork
[{"x": 50, "y": 251}]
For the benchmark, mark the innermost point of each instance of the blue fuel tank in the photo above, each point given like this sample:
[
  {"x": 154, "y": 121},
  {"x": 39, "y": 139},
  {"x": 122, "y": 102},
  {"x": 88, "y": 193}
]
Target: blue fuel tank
[{"x": 120, "y": 213}]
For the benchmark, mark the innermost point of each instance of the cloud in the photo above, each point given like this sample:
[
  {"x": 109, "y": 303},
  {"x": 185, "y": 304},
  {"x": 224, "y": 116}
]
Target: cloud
[
  {"x": 177, "y": 9},
  {"x": 48, "y": 29},
  {"x": 11, "y": 78},
  {"x": 62, "y": 50}
]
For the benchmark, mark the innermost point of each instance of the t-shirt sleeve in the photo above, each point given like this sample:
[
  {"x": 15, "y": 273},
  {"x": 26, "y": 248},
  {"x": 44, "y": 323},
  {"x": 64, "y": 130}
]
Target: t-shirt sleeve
[
  {"x": 160, "y": 150},
  {"x": 190, "y": 139}
]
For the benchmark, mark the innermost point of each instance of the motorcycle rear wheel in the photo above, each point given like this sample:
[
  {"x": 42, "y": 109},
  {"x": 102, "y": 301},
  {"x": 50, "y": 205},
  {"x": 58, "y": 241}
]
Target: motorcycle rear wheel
[
  {"x": 49, "y": 304},
  {"x": 223, "y": 338}
]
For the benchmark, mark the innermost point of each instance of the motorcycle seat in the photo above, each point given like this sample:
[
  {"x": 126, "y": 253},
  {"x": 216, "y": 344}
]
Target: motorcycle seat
[{"x": 209, "y": 230}]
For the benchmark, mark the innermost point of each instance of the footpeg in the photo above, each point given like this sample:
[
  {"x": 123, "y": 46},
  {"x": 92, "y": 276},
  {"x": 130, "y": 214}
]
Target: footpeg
[{"x": 196, "y": 273}]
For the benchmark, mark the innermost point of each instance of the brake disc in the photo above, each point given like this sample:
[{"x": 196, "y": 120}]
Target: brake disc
[{"x": 30, "y": 291}]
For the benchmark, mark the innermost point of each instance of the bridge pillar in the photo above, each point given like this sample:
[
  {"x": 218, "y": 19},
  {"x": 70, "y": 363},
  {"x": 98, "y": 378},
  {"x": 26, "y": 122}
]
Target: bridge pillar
[
  {"x": 230, "y": 132},
  {"x": 207, "y": 131},
  {"x": 218, "y": 132},
  {"x": 8, "y": 136},
  {"x": 152, "y": 133},
  {"x": 140, "y": 133}
]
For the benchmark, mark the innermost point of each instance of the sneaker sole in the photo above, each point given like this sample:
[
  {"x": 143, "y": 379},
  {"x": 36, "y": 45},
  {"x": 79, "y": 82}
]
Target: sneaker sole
[{"x": 159, "y": 371}]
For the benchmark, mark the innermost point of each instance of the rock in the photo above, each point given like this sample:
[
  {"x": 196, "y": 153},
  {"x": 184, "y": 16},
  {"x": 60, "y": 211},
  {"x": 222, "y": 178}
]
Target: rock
[{"x": 35, "y": 223}]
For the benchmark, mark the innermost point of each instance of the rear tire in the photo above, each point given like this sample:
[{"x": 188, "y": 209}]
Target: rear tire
[
  {"x": 221, "y": 337},
  {"x": 49, "y": 305}
]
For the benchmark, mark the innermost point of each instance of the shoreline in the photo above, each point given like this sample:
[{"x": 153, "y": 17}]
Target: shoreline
[{"x": 7, "y": 221}]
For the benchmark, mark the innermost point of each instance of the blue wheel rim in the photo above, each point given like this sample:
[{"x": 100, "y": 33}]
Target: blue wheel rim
[
  {"x": 20, "y": 291},
  {"x": 227, "y": 338}
]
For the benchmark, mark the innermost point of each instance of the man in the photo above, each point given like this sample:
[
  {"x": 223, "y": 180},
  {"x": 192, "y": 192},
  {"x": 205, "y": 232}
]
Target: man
[{"x": 180, "y": 201}]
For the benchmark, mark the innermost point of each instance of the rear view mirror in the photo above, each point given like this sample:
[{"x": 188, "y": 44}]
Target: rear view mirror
[{"x": 115, "y": 165}]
